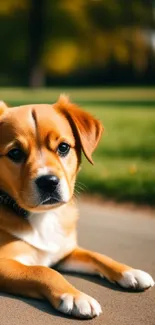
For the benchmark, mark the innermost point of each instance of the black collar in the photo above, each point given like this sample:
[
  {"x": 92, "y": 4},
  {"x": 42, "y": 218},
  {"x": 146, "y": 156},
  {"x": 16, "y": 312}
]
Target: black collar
[{"x": 9, "y": 202}]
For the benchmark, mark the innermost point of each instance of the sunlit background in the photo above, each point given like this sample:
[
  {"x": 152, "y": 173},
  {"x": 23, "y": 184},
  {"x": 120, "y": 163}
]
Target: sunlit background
[{"x": 101, "y": 53}]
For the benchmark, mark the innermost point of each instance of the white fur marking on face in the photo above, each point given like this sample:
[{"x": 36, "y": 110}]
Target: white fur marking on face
[
  {"x": 82, "y": 305},
  {"x": 136, "y": 279},
  {"x": 64, "y": 190},
  {"x": 43, "y": 171}
]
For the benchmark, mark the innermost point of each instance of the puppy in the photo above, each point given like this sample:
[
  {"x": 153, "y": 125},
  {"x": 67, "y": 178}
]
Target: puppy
[{"x": 40, "y": 155}]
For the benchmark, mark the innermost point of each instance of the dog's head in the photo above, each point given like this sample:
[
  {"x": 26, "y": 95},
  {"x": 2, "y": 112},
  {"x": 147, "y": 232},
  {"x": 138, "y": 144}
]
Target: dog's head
[{"x": 40, "y": 151}]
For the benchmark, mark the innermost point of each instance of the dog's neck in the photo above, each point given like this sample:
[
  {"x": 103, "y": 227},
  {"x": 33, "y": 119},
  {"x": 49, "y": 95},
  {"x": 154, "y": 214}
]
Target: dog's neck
[{"x": 7, "y": 201}]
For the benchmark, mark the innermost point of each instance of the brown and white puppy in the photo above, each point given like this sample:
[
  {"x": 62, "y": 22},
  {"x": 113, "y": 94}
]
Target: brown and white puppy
[{"x": 40, "y": 155}]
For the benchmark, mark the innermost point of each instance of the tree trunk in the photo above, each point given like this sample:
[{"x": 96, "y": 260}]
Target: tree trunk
[{"x": 36, "y": 32}]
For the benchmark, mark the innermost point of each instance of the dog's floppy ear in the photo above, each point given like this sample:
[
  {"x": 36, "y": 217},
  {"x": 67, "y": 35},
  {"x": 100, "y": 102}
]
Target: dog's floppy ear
[
  {"x": 88, "y": 128},
  {"x": 3, "y": 107}
]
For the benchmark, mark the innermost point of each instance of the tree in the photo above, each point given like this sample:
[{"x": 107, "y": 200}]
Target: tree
[{"x": 36, "y": 40}]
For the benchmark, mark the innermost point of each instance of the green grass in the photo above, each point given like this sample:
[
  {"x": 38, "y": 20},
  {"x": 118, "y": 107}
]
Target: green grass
[
  {"x": 125, "y": 158},
  {"x": 98, "y": 96}
]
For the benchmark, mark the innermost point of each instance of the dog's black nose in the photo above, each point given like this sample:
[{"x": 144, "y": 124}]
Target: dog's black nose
[{"x": 47, "y": 183}]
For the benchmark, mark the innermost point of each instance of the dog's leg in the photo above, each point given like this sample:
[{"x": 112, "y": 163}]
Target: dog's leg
[
  {"x": 84, "y": 261},
  {"x": 42, "y": 282}
]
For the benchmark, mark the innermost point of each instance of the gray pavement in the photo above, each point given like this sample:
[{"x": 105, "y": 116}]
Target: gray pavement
[{"x": 124, "y": 235}]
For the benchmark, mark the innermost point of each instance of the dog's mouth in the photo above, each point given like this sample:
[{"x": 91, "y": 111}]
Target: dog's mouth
[
  {"x": 10, "y": 203},
  {"x": 50, "y": 200}
]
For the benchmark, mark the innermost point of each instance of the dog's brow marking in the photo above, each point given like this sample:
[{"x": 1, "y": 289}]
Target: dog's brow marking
[
  {"x": 34, "y": 116},
  {"x": 33, "y": 123}
]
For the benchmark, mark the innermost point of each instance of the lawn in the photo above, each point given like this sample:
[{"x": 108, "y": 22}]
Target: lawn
[
  {"x": 125, "y": 159},
  {"x": 124, "y": 166}
]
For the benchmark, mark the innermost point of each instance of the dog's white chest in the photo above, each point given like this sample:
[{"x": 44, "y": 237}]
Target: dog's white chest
[
  {"x": 47, "y": 233},
  {"x": 48, "y": 236}
]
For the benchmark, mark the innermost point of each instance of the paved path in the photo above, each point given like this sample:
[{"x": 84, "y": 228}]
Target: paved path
[{"x": 126, "y": 236}]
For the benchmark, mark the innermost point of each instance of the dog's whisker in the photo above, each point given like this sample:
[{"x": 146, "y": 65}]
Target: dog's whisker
[{"x": 81, "y": 186}]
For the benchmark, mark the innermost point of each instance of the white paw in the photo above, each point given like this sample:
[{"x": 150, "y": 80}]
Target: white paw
[
  {"x": 136, "y": 279},
  {"x": 81, "y": 305}
]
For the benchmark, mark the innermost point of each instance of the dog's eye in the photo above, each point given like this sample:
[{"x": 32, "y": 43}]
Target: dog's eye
[
  {"x": 63, "y": 149},
  {"x": 17, "y": 155}
]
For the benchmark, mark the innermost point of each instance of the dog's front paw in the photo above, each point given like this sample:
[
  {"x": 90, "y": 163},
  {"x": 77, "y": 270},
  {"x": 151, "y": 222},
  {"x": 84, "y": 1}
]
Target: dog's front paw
[
  {"x": 136, "y": 279},
  {"x": 80, "y": 305}
]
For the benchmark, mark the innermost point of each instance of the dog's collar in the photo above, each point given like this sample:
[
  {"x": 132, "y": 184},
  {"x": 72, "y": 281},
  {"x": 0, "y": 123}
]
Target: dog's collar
[{"x": 9, "y": 202}]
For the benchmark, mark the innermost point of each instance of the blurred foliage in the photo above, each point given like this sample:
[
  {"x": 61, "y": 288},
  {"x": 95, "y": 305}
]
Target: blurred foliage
[{"x": 93, "y": 37}]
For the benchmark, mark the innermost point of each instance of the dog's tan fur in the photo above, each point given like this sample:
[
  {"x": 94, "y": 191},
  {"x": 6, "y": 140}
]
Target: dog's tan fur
[{"x": 25, "y": 257}]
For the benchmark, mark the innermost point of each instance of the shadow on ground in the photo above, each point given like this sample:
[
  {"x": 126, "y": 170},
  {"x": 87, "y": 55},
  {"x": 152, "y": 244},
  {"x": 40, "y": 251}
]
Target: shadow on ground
[{"x": 47, "y": 308}]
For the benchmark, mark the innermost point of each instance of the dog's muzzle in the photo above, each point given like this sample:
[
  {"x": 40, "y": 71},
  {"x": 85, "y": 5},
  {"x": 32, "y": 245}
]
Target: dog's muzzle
[{"x": 48, "y": 189}]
